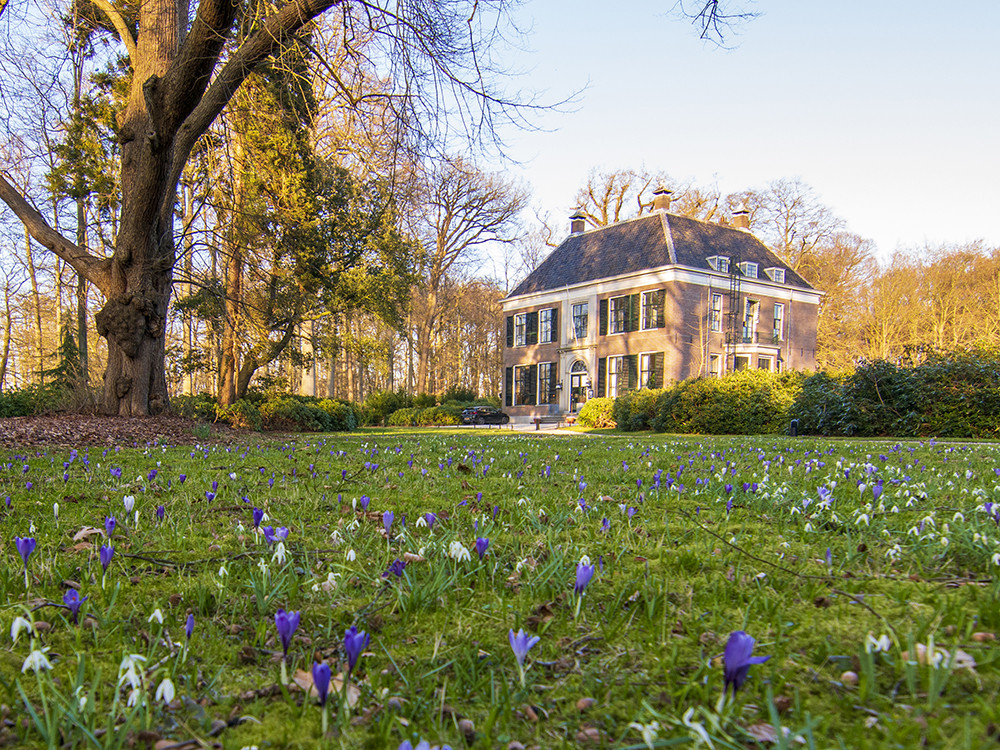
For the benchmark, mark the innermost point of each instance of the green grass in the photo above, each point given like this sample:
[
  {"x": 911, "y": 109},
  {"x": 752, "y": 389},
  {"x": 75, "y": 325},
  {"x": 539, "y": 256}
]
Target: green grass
[{"x": 678, "y": 577}]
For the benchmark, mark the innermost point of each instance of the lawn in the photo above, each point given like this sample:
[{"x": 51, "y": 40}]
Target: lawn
[{"x": 865, "y": 572}]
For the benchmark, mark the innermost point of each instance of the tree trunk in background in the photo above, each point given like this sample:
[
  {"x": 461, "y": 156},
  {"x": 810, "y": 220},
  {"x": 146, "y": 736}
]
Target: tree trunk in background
[
  {"x": 81, "y": 294},
  {"x": 187, "y": 387},
  {"x": 307, "y": 386},
  {"x": 37, "y": 305},
  {"x": 5, "y": 357}
]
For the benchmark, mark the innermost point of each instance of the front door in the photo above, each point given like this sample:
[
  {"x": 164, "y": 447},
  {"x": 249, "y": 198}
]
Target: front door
[{"x": 577, "y": 390}]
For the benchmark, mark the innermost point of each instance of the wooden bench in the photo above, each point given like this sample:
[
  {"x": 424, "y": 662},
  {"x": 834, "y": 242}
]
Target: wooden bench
[{"x": 555, "y": 419}]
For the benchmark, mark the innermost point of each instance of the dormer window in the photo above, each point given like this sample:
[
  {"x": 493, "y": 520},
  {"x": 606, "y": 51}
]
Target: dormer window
[
  {"x": 777, "y": 275},
  {"x": 719, "y": 263},
  {"x": 749, "y": 270}
]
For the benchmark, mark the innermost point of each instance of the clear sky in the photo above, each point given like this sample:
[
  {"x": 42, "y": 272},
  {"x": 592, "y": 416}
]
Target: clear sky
[{"x": 889, "y": 109}]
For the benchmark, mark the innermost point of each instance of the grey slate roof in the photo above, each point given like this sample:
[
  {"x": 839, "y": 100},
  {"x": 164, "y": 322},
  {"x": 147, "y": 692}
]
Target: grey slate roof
[{"x": 641, "y": 244}]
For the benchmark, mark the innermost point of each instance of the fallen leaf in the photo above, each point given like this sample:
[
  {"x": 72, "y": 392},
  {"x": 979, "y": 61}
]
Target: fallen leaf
[{"x": 86, "y": 532}]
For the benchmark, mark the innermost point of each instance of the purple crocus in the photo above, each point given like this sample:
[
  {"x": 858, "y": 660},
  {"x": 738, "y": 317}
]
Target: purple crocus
[
  {"x": 109, "y": 526},
  {"x": 189, "y": 627},
  {"x": 396, "y": 569},
  {"x": 287, "y": 623},
  {"x": 25, "y": 546},
  {"x": 258, "y": 516},
  {"x": 106, "y": 552},
  {"x": 738, "y": 658},
  {"x": 73, "y": 602},
  {"x": 355, "y": 641},
  {"x": 209, "y": 496},
  {"x": 387, "y": 519},
  {"x": 430, "y": 519},
  {"x": 482, "y": 545},
  {"x": 521, "y": 644},
  {"x": 364, "y": 501},
  {"x": 181, "y": 478},
  {"x": 160, "y": 512},
  {"x": 321, "y": 679},
  {"x": 583, "y": 575}
]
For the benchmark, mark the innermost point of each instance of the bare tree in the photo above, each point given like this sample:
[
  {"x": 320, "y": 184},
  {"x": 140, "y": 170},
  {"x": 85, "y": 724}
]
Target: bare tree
[
  {"x": 182, "y": 76},
  {"x": 459, "y": 210}
]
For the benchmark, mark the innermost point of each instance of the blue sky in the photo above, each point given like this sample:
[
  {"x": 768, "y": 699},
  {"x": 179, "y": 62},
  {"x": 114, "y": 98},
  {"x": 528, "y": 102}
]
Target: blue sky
[{"x": 890, "y": 110}]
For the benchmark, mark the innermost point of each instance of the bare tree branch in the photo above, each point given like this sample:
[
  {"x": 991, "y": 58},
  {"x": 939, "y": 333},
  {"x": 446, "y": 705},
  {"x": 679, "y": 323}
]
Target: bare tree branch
[
  {"x": 117, "y": 20},
  {"x": 96, "y": 270}
]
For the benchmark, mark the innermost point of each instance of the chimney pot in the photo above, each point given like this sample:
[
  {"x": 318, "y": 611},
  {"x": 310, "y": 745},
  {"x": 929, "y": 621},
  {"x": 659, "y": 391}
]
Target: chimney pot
[
  {"x": 661, "y": 198},
  {"x": 577, "y": 222}
]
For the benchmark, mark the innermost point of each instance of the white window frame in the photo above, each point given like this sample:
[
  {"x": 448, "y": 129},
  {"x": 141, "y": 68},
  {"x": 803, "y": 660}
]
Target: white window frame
[
  {"x": 719, "y": 263},
  {"x": 616, "y": 370},
  {"x": 644, "y": 307},
  {"x": 745, "y": 359},
  {"x": 614, "y": 312},
  {"x": 715, "y": 313},
  {"x": 749, "y": 269},
  {"x": 517, "y": 380},
  {"x": 751, "y": 317},
  {"x": 547, "y": 333},
  {"x": 778, "y": 330},
  {"x": 645, "y": 368},
  {"x": 521, "y": 329},
  {"x": 584, "y": 315},
  {"x": 541, "y": 393},
  {"x": 765, "y": 360},
  {"x": 777, "y": 275},
  {"x": 715, "y": 365}
]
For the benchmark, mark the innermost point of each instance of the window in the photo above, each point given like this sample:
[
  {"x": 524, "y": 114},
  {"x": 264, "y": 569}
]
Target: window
[
  {"x": 715, "y": 314},
  {"x": 765, "y": 363},
  {"x": 547, "y": 383},
  {"x": 776, "y": 275},
  {"x": 580, "y": 320},
  {"x": 719, "y": 263},
  {"x": 619, "y": 310},
  {"x": 548, "y": 325},
  {"x": 524, "y": 385},
  {"x": 652, "y": 309},
  {"x": 749, "y": 270},
  {"x": 742, "y": 362},
  {"x": 751, "y": 315},
  {"x": 778, "y": 334},
  {"x": 520, "y": 329},
  {"x": 617, "y": 377},
  {"x": 651, "y": 370},
  {"x": 715, "y": 365}
]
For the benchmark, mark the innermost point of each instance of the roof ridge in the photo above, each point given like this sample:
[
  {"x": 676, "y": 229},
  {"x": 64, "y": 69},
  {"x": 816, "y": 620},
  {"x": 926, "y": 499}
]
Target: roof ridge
[{"x": 668, "y": 235}]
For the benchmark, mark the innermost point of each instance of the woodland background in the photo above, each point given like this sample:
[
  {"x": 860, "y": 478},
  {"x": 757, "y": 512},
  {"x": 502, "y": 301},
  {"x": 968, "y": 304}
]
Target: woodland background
[{"x": 323, "y": 251}]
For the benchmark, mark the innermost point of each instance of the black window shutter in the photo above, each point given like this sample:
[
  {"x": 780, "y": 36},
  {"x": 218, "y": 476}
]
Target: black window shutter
[
  {"x": 510, "y": 333},
  {"x": 634, "y": 306},
  {"x": 661, "y": 297},
  {"x": 555, "y": 325},
  {"x": 532, "y": 334},
  {"x": 632, "y": 362},
  {"x": 533, "y": 382},
  {"x": 602, "y": 371},
  {"x": 656, "y": 378},
  {"x": 603, "y": 329},
  {"x": 508, "y": 387},
  {"x": 552, "y": 384}
]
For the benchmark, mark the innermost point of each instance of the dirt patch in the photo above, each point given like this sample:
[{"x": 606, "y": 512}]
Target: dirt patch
[{"x": 77, "y": 429}]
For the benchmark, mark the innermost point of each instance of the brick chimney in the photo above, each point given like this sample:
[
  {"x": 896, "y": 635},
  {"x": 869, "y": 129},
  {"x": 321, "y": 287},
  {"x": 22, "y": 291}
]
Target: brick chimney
[
  {"x": 741, "y": 219},
  {"x": 661, "y": 198},
  {"x": 577, "y": 222}
]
